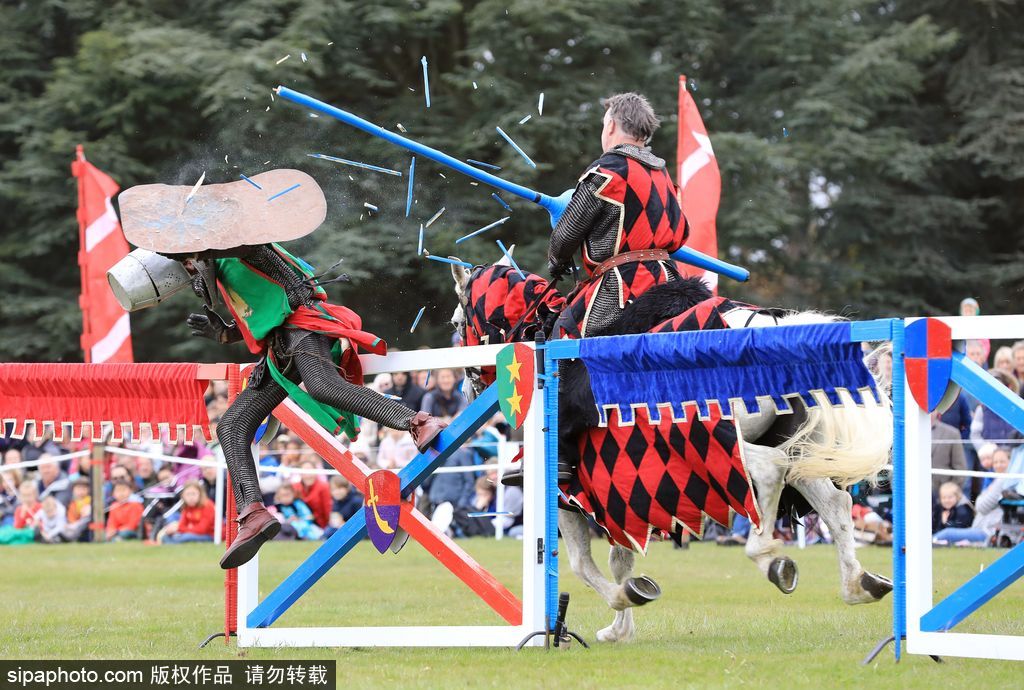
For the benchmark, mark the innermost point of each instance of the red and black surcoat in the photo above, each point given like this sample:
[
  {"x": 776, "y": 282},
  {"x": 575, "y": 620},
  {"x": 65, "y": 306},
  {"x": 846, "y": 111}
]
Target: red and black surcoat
[{"x": 625, "y": 202}]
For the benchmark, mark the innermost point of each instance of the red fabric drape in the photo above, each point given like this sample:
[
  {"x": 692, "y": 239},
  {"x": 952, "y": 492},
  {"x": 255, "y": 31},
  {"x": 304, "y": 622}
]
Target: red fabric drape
[{"x": 104, "y": 394}]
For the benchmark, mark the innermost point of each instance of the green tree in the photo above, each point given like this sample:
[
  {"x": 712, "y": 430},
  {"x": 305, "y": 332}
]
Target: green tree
[{"x": 871, "y": 151}]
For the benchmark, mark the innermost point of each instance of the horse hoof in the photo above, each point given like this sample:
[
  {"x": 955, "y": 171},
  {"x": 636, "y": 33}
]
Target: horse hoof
[
  {"x": 783, "y": 574},
  {"x": 611, "y": 634},
  {"x": 641, "y": 590},
  {"x": 876, "y": 585}
]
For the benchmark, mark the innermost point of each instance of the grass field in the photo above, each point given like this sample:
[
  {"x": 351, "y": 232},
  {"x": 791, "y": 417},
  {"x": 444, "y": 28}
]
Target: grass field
[{"x": 719, "y": 623}]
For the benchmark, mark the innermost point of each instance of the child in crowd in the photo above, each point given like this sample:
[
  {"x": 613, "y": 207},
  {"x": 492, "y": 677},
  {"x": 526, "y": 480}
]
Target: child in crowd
[
  {"x": 125, "y": 514},
  {"x": 869, "y": 527},
  {"x": 463, "y": 519},
  {"x": 195, "y": 521},
  {"x": 29, "y": 506},
  {"x": 950, "y": 511},
  {"x": 51, "y": 521},
  {"x": 9, "y": 482},
  {"x": 165, "y": 475},
  {"x": 295, "y": 515},
  {"x": 344, "y": 501},
  {"x": 985, "y": 453},
  {"x": 314, "y": 492},
  {"x": 395, "y": 451},
  {"x": 118, "y": 473},
  {"x": 79, "y": 511}
]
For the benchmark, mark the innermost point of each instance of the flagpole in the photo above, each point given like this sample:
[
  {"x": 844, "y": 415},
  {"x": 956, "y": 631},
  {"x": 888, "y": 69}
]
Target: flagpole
[
  {"x": 679, "y": 138},
  {"x": 77, "y": 169}
]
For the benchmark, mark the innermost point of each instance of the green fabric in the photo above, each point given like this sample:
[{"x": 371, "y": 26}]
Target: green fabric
[
  {"x": 261, "y": 303},
  {"x": 328, "y": 417},
  {"x": 11, "y": 535}
]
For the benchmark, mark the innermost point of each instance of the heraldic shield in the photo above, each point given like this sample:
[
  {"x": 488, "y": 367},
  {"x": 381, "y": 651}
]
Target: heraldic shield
[
  {"x": 383, "y": 507},
  {"x": 929, "y": 363},
  {"x": 514, "y": 369}
]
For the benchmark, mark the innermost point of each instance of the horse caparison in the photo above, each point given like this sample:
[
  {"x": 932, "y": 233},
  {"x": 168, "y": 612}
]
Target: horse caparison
[{"x": 800, "y": 459}]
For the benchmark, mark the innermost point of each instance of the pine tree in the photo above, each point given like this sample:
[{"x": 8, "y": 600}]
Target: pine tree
[{"x": 871, "y": 151}]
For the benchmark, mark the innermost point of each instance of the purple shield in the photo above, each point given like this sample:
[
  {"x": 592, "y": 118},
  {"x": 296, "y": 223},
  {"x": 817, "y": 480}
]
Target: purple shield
[{"x": 382, "y": 508}]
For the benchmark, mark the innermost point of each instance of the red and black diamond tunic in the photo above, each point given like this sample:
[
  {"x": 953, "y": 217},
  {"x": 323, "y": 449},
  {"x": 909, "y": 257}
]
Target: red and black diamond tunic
[{"x": 624, "y": 202}]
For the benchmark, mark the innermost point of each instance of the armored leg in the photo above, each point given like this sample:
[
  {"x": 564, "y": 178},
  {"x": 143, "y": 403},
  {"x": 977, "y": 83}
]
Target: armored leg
[
  {"x": 236, "y": 431},
  {"x": 311, "y": 354}
]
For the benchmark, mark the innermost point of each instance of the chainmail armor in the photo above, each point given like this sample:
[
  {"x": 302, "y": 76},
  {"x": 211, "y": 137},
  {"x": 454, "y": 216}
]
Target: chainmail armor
[
  {"x": 301, "y": 356},
  {"x": 269, "y": 262},
  {"x": 236, "y": 430},
  {"x": 311, "y": 353}
]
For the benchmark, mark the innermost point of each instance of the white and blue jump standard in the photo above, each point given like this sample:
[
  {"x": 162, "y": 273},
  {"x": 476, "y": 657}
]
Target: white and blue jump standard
[
  {"x": 522, "y": 616},
  {"x": 935, "y": 372}
]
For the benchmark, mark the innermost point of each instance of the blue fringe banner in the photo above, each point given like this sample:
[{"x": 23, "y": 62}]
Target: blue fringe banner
[{"x": 715, "y": 366}]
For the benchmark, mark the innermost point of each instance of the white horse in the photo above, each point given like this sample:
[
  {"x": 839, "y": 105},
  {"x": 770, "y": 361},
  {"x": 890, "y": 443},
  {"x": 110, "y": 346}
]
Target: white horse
[{"x": 813, "y": 450}]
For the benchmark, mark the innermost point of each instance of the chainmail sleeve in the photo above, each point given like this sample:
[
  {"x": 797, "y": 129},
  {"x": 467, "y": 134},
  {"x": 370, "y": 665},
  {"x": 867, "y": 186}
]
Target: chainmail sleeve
[
  {"x": 264, "y": 259},
  {"x": 576, "y": 222}
]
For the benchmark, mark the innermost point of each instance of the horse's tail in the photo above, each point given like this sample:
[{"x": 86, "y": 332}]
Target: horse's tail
[{"x": 845, "y": 443}]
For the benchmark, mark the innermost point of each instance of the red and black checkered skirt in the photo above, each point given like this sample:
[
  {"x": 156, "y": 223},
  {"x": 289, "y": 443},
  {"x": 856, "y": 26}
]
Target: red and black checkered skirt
[{"x": 637, "y": 478}]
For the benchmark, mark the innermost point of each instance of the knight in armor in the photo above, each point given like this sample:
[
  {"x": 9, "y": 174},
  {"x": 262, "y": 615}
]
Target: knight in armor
[
  {"x": 282, "y": 314},
  {"x": 625, "y": 217}
]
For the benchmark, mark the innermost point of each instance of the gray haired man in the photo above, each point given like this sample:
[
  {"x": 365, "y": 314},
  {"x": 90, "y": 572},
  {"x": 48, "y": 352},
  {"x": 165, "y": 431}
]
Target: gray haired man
[{"x": 625, "y": 217}]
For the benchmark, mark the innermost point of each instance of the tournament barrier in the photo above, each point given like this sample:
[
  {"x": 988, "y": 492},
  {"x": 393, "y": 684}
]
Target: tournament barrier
[
  {"x": 715, "y": 367},
  {"x": 522, "y": 616},
  {"x": 928, "y": 372}
]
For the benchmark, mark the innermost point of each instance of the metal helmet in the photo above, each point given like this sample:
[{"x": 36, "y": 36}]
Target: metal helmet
[{"x": 144, "y": 278}]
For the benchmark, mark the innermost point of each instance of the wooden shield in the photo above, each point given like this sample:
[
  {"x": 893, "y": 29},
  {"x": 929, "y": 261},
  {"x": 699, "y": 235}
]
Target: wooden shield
[
  {"x": 382, "y": 508},
  {"x": 274, "y": 206},
  {"x": 929, "y": 361},
  {"x": 515, "y": 377}
]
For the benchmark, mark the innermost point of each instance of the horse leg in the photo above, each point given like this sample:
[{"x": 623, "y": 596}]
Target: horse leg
[
  {"x": 767, "y": 472},
  {"x": 620, "y": 561},
  {"x": 857, "y": 586},
  {"x": 576, "y": 533}
]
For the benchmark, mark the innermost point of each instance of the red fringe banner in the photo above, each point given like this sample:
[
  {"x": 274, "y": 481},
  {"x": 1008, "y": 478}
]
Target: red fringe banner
[{"x": 104, "y": 395}]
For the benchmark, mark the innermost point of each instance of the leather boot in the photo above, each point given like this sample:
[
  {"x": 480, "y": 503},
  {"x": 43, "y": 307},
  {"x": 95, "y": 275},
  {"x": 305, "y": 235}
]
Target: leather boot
[
  {"x": 424, "y": 429},
  {"x": 255, "y": 526}
]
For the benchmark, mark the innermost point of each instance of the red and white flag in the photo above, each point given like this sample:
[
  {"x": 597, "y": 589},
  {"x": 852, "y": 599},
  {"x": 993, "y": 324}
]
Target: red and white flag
[
  {"x": 700, "y": 184},
  {"x": 106, "y": 332}
]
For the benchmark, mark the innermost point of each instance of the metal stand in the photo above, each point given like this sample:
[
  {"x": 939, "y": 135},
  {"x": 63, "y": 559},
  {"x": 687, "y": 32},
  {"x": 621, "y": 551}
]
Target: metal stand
[
  {"x": 885, "y": 643},
  {"x": 560, "y": 633},
  {"x": 213, "y": 637}
]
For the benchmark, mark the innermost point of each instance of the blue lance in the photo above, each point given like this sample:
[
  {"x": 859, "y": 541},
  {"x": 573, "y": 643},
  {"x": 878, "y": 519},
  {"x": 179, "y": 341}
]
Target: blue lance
[{"x": 555, "y": 205}]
